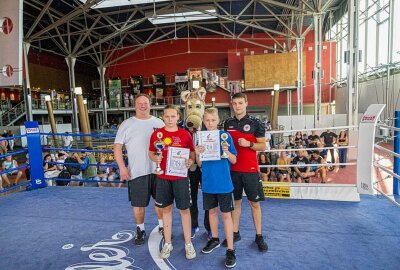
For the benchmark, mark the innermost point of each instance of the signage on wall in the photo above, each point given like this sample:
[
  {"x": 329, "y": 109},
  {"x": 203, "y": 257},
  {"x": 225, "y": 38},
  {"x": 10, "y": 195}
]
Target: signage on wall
[
  {"x": 158, "y": 85},
  {"x": 136, "y": 84},
  {"x": 114, "y": 92},
  {"x": 181, "y": 82}
]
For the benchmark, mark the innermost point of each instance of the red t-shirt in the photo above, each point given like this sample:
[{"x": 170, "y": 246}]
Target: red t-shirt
[
  {"x": 249, "y": 128},
  {"x": 180, "y": 138}
]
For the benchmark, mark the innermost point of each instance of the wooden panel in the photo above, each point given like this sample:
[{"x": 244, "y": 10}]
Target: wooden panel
[{"x": 265, "y": 70}]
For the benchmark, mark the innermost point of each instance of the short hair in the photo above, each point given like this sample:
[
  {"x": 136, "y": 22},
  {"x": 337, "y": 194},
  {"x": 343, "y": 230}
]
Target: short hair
[
  {"x": 239, "y": 95},
  {"x": 143, "y": 95},
  {"x": 173, "y": 107},
  {"x": 212, "y": 111},
  {"x": 315, "y": 152}
]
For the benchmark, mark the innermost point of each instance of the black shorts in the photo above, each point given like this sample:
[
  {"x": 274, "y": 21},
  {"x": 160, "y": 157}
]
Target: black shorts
[
  {"x": 250, "y": 183},
  {"x": 168, "y": 190},
  {"x": 224, "y": 200},
  {"x": 140, "y": 189}
]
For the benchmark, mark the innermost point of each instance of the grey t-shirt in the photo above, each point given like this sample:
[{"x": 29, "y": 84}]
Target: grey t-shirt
[{"x": 135, "y": 135}]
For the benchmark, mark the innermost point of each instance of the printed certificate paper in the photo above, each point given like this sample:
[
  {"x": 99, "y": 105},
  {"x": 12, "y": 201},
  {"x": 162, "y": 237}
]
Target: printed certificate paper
[
  {"x": 211, "y": 142},
  {"x": 176, "y": 162}
]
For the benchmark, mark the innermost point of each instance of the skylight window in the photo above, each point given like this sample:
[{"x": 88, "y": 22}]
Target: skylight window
[
  {"x": 183, "y": 17},
  {"x": 118, "y": 3}
]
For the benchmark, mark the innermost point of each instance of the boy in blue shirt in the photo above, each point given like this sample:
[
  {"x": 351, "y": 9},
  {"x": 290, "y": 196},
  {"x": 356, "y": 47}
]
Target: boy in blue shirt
[{"x": 217, "y": 188}]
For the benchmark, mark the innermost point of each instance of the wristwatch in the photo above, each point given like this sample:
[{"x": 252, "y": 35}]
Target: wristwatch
[{"x": 251, "y": 144}]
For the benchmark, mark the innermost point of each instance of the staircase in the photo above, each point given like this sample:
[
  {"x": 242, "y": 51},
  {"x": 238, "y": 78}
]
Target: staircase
[{"x": 9, "y": 117}]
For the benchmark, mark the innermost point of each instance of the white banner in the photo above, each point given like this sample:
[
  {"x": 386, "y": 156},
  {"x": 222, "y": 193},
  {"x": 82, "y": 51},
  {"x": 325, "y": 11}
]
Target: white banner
[{"x": 11, "y": 34}]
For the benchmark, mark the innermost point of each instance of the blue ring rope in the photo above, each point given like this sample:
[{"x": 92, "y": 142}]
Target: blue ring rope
[
  {"x": 15, "y": 187},
  {"x": 78, "y": 135},
  {"x": 14, "y": 169},
  {"x": 13, "y": 153}
]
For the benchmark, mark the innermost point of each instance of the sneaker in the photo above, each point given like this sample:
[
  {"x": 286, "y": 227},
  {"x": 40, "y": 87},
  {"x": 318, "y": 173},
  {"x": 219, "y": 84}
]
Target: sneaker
[
  {"x": 262, "y": 245},
  {"x": 161, "y": 230},
  {"x": 194, "y": 231},
  {"x": 212, "y": 244},
  {"x": 140, "y": 236},
  {"x": 166, "y": 251},
  {"x": 230, "y": 258},
  {"x": 236, "y": 237},
  {"x": 190, "y": 252}
]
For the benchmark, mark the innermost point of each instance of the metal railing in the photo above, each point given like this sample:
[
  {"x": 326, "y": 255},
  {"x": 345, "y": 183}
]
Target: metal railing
[{"x": 9, "y": 117}]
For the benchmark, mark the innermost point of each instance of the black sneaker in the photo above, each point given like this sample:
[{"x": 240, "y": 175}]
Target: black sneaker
[
  {"x": 212, "y": 244},
  {"x": 140, "y": 235},
  {"x": 230, "y": 258},
  {"x": 236, "y": 237},
  {"x": 161, "y": 230},
  {"x": 262, "y": 245}
]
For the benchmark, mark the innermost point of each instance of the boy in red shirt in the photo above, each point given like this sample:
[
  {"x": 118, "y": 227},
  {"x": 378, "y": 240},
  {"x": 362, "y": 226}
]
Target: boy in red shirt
[{"x": 168, "y": 187}]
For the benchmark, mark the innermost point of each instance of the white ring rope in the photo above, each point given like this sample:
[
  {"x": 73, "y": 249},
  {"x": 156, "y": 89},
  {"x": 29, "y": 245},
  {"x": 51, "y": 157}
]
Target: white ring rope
[{"x": 308, "y": 129}]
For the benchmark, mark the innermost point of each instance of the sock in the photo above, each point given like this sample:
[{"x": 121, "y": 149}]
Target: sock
[
  {"x": 160, "y": 223},
  {"x": 141, "y": 226}
]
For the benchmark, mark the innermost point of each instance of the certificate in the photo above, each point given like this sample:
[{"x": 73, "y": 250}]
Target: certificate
[
  {"x": 176, "y": 161},
  {"x": 211, "y": 142}
]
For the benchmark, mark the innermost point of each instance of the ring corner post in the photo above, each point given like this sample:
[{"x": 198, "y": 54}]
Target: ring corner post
[
  {"x": 35, "y": 155},
  {"x": 396, "y": 160}
]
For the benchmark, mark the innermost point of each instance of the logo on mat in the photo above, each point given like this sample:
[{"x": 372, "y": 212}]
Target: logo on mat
[
  {"x": 246, "y": 127},
  {"x": 108, "y": 254}
]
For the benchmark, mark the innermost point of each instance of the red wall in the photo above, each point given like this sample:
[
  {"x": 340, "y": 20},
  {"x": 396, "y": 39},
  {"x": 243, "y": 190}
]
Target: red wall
[{"x": 170, "y": 57}]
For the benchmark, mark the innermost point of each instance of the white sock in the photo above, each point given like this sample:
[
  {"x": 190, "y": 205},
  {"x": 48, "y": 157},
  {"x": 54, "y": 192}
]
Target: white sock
[
  {"x": 160, "y": 223},
  {"x": 141, "y": 226}
]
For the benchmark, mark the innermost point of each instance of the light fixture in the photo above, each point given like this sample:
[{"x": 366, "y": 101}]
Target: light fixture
[
  {"x": 276, "y": 87},
  {"x": 184, "y": 16},
  {"x": 85, "y": 101},
  {"x": 78, "y": 90},
  {"x": 213, "y": 99},
  {"x": 47, "y": 98}
]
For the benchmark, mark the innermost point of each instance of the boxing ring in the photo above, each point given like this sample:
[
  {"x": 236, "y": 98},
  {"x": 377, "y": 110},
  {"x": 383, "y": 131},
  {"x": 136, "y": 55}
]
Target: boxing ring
[{"x": 65, "y": 227}]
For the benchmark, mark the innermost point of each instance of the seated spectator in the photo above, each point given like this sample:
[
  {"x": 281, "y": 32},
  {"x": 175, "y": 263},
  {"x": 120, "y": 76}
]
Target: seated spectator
[
  {"x": 313, "y": 139},
  {"x": 114, "y": 175},
  {"x": 283, "y": 173},
  {"x": 305, "y": 140},
  {"x": 291, "y": 142},
  {"x": 301, "y": 172},
  {"x": 89, "y": 169},
  {"x": 3, "y": 146},
  {"x": 61, "y": 158},
  {"x": 50, "y": 171},
  {"x": 322, "y": 153},
  {"x": 102, "y": 171},
  {"x": 318, "y": 171},
  {"x": 298, "y": 138},
  {"x": 10, "y": 164},
  {"x": 265, "y": 172}
]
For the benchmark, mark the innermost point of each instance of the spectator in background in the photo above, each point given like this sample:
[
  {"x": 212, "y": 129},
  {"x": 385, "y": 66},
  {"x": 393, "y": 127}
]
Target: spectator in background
[
  {"x": 89, "y": 170},
  {"x": 50, "y": 170},
  {"x": 102, "y": 171},
  {"x": 10, "y": 164},
  {"x": 3, "y": 145},
  {"x": 68, "y": 139},
  {"x": 265, "y": 172},
  {"x": 298, "y": 138},
  {"x": 10, "y": 141},
  {"x": 302, "y": 170},
  {"x": 329, "y": 138},
  {"x": 313, "y": 140},
  {"x": 318, "y": 171},
  {"x": 114, "y": 175},
  {"x": 305, "y": 140},
  {"x": 283, "y": 173},
  {"x": 291, "y": 142},
  {"x": 343, "y": 141}
]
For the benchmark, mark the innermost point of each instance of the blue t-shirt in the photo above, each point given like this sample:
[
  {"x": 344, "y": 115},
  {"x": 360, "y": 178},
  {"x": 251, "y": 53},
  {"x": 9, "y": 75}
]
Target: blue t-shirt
[{"x": 216, "y": 176}]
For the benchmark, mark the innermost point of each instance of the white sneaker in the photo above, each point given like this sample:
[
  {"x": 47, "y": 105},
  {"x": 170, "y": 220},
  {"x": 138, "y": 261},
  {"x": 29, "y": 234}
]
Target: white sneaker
[
  {"x": 190, "y": 252},
  {"x": 166, "y": 251}
]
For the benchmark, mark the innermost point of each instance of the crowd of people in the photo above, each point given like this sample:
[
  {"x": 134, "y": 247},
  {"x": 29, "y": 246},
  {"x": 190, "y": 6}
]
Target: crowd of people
[{"x": 305, "y": 154}]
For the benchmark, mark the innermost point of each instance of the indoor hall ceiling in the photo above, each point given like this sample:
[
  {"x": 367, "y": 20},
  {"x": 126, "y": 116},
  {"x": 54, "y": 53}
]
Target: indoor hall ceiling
[{"x": 93, "y": 35}]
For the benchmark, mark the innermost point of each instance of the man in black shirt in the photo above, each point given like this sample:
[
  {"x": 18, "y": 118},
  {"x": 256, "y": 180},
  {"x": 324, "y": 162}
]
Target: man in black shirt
[
  {"x": 301, "y": 172},
  {"x": 329, "y": 138}
]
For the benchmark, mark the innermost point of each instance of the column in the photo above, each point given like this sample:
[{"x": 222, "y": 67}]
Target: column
[
  {"x": 102, "y": 71},
  {"x": 317, "y": 66},
  {"x": 299, "y": 48},
  {"x": 71, "y": 71},
  {"x": 27, "y": 86}
]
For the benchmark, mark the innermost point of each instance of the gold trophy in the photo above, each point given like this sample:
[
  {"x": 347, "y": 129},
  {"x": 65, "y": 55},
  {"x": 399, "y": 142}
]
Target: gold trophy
[
  {"x": 224, "y": 137},
  {"x": 159, "y": 145}
]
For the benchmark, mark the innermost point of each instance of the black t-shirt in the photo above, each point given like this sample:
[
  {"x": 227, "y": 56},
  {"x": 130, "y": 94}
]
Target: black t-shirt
[
  {"x": 317, "y": 160},
  {"x": 301, "y": 161},
  {"x": 328, "y": 138},
  {"x": 312, "y": 138}
]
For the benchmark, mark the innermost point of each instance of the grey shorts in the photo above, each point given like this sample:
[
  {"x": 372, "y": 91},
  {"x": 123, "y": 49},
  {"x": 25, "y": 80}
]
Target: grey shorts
[
  {"x": 140, "y": 189},
  {"x": 168, "y": 190},
  {"x": 250, "y": 183},
  {"x": 224, "y": 200}
]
